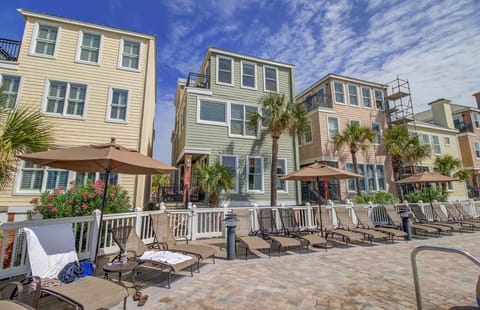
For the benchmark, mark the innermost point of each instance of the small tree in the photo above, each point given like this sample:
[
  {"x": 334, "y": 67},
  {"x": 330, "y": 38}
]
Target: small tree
[
  {"x": 213, "y": 179},
  {"x": 446, "y": 165},
  {"x": 356, "y": 138}
]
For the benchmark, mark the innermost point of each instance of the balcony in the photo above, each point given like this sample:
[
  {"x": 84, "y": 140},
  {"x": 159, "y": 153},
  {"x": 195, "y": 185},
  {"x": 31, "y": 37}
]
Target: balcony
[
  {"x": 9, "y": 50},
  {"x": 198, "y": 80},
  {"x": 319, "y": 101},
  {"x": 464, "y": 126}
]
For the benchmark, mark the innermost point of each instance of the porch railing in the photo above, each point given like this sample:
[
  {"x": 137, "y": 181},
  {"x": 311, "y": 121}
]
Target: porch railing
[
  {"x": 9, "y": 49},
  {"x": 193, "y": 223},
  {"x": 198, "y": 80}
]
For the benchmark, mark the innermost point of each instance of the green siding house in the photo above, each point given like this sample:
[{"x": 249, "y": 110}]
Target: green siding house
[{"x": 212, "y": 124}]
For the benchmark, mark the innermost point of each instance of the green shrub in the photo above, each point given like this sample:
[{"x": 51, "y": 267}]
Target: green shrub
[
  {"x": 81, "y": 200},
  {"x": 435, "y": 193},
  {"x": 151, "y": 206},
  {"x": 377, "y": 197}
]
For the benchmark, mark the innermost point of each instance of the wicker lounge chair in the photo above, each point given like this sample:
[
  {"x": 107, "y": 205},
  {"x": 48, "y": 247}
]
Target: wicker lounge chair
[
  {"x": 421, "y": 218},
  {"x": 291, "y": 227},
  {"x": 47, "y": 258},
  {"x": 268, "y": 230},
  {"x": 243, "y": 233},
  {"x": 330, "y": 230},
  {"x": 346, "y": 222},
  {"x": 128, "y": 241},
  {"x": 441, "y": 218},
  {"x": 455, "y": 216},
  {"x": 366, "y": 222},
  {"x": 417, "y": 228},
  {"x": 164, "y": 240}
]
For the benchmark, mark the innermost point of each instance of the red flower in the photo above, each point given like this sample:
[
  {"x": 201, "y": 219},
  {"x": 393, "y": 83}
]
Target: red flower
[
  {"x": 84, "y": 207},
  {"x": 91, "y": 196},
  {"x": 71, "y": 202},
  {"x": 112, "y": 196},
  {"x": 50, "y": 197},
  {"x": 99, "y": 192},
  {"x": 54, "y": 210},
  {"x": 50, "y": 205},
  {"x": 84, "y": 194},
  {"x": 71, "y": 182}
]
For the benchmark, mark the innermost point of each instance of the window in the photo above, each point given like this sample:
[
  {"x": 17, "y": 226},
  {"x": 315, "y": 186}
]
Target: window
[
  {"x": 89, "y": 47},
  {"x": 249, "y": 72},
  {"x": 255, "y": 174},
  {"x": 352, "y": 95},
  {"x": 231, "y": 162},
  {"x": 339, "y": 93},
  {"x": 112, "y": 179},
  {"x": 81, "y": 178},
  {"x": 457, "y": 122},
  {"x": 271, "y": 79},
  {"x": 281, "y": 171},
  {"x": 308, "y": 134},
  {"x": 372, "y": 180},
  {"x": 240, "y": 116},
  {"x": 350, "y": 182},
  {"x": 211, "y": 111},
  {"x": 378, "y": 133},
  {"x": 118, "y": 105},
  {"x": 379, "y": 99},
  {"x": 361, "y": 171},
  {"x": 371, "y": 177},
  {"x": 9, "y": 84},
  {"x": 309, "y": 103},
  {"x": 447, "y": 140},
  {"x": 354, "y": 122},
  {"x": 266, "y": 113},
  {"x": 476, "y": 146},
  {"x": 31, "y": 177},
  {"x": 130, "y": 54},
  {"x": 366, "y": 98},
  {"x": 381, "y": 177},
  {"x": 332, "y": 127},
  {"x": 476, "y": 120},
  {"x": 65, "y": 98},
  {"x": 436, "y": 145},
  {"x": 425, "y": 139},
  {"x": 56, "y": 178},
  {"x": 321, "y": 98},
  {"x": 224, "y": 70},
  {"x": 45, "y": 40}
]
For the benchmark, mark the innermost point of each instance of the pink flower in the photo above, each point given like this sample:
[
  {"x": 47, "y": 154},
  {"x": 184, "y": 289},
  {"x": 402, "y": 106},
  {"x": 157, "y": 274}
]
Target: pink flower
[
  {"x": 91, "y": 196},
  {"x": 113, "y": 186},
  {"x": 54, "y": 210},
  {"x": 50, "y": 205},
  {"x": 56, "y": 191},
  {"x": 71, "y": 202},
  {"x": 112, "y": 196},
  {"x": 71, "y": 182},
  {"x": 50, "y": 197},
  {"x": 92, "y": 186},
  {"x": 84, "y": 194},
  {"x": 61, "y": 188},
  {"x": 99, "y": 192},
  {"x": 72, "y": 189},
  {"x": 34, "y": 200},
  {"x": 84, "y": 207},
  {"x": 99, "y": 183}
]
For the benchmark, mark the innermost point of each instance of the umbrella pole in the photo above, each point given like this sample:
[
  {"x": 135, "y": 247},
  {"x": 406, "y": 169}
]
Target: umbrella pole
[
  {"x": 104, "y": 202},
  {"x": 429, "y": 194},
  {"x": 320, "y": 209}
]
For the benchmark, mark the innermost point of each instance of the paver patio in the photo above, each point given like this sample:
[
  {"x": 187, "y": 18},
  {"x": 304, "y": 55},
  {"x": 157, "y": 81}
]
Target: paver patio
[{"x": 360, "y": 277}]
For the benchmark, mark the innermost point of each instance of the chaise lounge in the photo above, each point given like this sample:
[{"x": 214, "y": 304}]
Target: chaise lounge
[
  {"x": 244, "y": 234},
  {"x": 364, "y": 219}
]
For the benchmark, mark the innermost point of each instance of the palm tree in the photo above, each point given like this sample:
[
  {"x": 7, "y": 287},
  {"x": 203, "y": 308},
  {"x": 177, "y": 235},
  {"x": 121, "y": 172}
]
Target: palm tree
[
  {"x": 159, "y": 180},
  {"x": 415, "y": 151},
  {"x": 356, "y": 138},
  {"x": 213, "y": 179},
  {"x": 279, "y": 116},
  {"x": 21, "y": 131},
  {"x": 446, "y": 165}
]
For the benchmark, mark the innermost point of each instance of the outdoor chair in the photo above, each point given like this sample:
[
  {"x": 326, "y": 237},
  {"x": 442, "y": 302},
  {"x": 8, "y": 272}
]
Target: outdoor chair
[
  {"x": 442, "y": 219},
  {"x": 291, "y": 227},
  {"x": 330, "y": 230},
  {"x": 48, "y": 255},
  {"x": 365, "y": 221},
  {"x": 416, "y": 228},
  {"x": 163, "y": 240},
  {"x": 465, "y": 215},
  {"x": 244, "y": 234},
  {"x": 455, "y": 216},
  {"x": 268, "y": 230},
  {"x": 15, "y": 301},
  {"x": 346, "y": 221},
  {"x": 420, "y": 217},
  {"x": 165, "y": 261}
]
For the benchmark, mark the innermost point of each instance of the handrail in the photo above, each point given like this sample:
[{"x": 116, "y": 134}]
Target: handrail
[{"x": 413, "y": 257}]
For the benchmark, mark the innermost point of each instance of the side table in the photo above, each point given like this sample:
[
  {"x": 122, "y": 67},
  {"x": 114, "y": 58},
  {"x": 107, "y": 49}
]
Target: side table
[{"x": 120, "y": 267}]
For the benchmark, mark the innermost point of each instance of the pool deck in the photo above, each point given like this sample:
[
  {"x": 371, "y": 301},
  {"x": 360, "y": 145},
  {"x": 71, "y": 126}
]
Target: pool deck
[{"x": 357, "y": 277}]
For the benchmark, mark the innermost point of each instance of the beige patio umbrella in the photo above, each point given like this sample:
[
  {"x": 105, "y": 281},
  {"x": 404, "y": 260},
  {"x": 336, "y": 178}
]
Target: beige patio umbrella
[
  {"x": 427, "y": 178},
  {"x": 107, "y": 158},
  {"x": 319, "y": 172}
]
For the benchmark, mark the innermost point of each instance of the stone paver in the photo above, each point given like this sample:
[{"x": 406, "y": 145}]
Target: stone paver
[{"x": 361, "y": 277}]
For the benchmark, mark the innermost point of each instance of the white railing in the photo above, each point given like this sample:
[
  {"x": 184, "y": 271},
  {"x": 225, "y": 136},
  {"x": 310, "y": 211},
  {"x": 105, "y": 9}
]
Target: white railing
[{"x": 193, "y": 223}]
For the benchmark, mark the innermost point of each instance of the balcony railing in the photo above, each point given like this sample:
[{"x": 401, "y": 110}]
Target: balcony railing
[
  {"x": 198, "y": 80},
  {"x": 464, "y": 126},
  {"x": 317, "y": 101},
  {"x": 9, "y": 49}
]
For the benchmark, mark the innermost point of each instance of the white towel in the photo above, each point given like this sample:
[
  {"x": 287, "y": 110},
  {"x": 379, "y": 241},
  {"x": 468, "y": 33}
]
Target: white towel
[
  {"x": 50, "y": 248},
  {"x": 165, "y": 256}
]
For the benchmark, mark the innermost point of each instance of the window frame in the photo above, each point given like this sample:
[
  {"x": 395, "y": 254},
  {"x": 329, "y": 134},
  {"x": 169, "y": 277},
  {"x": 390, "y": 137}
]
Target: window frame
[
  {"x": 109, "y": 105},
  {"x": 378, "y": 136},
  {"x": 351, "y": 121},
  {"x": 120, "y": 54},
  {"x": 476, "y": 149},
  {"x": 236, "y": 174},
  {"x": 265, "y": 67},
  {"x": 330, "y": 137},
  {"x": 282, "y": 191},
  {"x": 375, "y": 99},
  {"x": 232, "y": 71},
  {"x": 34, "y": 41},
  {"x": 310, "y": 131},
  {"x": 247, "y": 166},
  {"x": 436, "y": 144},
  {"x": 476, "y": 120},
  {"x": 445, "y": 138},
  {"x": 355, "y": 96},
  {"x": 79, "y": 47},
  {"x": 66, "y": 99},
  {"x": 369, "y": 106},
  {"x": 243, "y": 62},
  {"x": 363, "y": 168},
  {"x": 207, "y": 122},
  {"x": 335, "y": 92},
  {"x": 20, "y": 82},
  {"x": 229, "y": 121}
]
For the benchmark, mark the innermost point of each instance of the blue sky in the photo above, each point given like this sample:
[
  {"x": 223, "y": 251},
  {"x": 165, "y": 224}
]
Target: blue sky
[{"x": 433, "y": 44}]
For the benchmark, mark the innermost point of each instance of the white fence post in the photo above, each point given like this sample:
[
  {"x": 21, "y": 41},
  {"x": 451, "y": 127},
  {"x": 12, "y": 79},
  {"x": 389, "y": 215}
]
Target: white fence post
[
  {"x": 138, "y": 222},
  {"x": 193, "y": 221},
  {"x": 309, "y": 215},
  {"x": 254, "y": 223},
  {"x": 94, "y": 231}
]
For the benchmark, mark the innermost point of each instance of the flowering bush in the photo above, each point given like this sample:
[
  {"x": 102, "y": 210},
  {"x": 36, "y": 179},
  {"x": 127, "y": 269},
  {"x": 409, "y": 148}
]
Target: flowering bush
[{"x": 81, "y": 200}]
